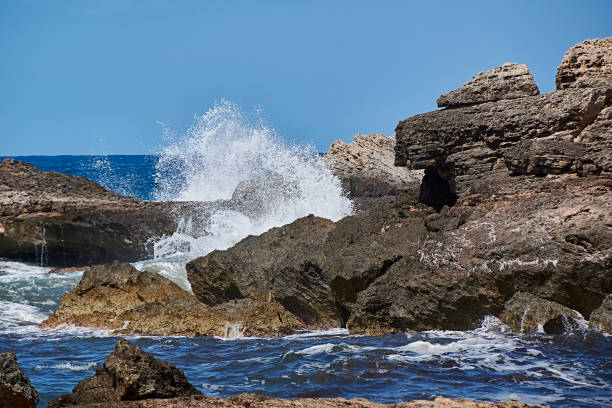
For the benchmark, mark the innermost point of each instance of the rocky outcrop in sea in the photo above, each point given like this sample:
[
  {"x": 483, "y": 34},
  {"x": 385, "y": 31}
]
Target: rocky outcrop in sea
[
  {"x": 121, "y": 298},
  {"x": 515, "y": 199},
  {"x": 129, "y": 374},
  {"x": 50, "y": 218},
  {"x": 15, "y": 388},
  {"x": 511, "y": 220}
]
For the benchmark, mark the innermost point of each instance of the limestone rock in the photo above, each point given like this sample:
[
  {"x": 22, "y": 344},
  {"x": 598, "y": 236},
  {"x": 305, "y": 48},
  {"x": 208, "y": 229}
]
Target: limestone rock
[
  {"x": 367, "y": 171},
  {"x": 525, "y": 313},
  {"x": 260, "y": 401},
  {"x": 107, "y": 291},
  {"x": 601, "y": 318},
  {"x": 471, "y": 140},
  {"x": 508, "y": 81},
  {"x": 587, "y": 65},
  {"x": 15, "y": 388},
  {"x": 129, "y": 374},
  {"x": 121, "y": 298}
]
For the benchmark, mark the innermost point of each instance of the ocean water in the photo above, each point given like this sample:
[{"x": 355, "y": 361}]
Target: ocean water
[{"x": 222, "y": 149}]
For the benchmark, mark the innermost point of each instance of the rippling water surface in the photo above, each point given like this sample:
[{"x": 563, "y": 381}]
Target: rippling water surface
[{"x": 487, "y": 363}]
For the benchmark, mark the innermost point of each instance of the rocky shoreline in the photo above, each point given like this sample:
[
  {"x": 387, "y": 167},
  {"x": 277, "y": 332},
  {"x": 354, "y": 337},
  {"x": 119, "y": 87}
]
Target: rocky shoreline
[
  {"x": 499, "y": 204},
  {"x": 133, "y": 378}
]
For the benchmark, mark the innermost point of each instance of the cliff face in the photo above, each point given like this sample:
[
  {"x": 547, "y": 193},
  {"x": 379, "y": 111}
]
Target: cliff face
[{"x": 563, "y": 132}]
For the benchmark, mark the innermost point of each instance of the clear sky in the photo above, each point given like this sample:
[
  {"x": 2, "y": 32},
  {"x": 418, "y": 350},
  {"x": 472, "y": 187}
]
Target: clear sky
[{"x": 95, "y": 77}]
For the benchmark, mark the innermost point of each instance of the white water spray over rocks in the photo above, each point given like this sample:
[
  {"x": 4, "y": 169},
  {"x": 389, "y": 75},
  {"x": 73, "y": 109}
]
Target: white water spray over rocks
[{"x": 249, "y": 179}]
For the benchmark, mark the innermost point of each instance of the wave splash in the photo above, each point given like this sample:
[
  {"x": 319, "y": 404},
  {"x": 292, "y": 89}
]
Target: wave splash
[{"x": 248, "y": 178}]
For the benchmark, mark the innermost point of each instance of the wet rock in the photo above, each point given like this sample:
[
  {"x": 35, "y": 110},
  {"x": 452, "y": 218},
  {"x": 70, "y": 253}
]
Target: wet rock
[
  {"x": 601, "y": 318},
  {"x": 121, "y": 298},
  {"x": 244, "y": 317},
  {"x": 107, "y": 291},
  {"x": 525, "y": 313},
  {"x": 15, "y": 388},
  {"x": 367, "y": 171},
  {"x": 326, "y": 274},
  {"x": 587, "y": 65},
  {"x": 276, "y": 265},
  {"x": 50, "y": 218},
  {"x": 508, "y": 81},
  {"x": 413, "y": 296},
  {"x": 129, "y": 373},
  {"x": 260, "y": 401},
  {"x": 258, "y": 196}
]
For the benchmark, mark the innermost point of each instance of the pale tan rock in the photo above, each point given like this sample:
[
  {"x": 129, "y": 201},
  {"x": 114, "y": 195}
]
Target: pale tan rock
[
  {"x": 366, "y": 168},
  {"x": 118, "y": 297},
  {"x": 508, "y": 81},
  {"x": 587, "y": 65}
]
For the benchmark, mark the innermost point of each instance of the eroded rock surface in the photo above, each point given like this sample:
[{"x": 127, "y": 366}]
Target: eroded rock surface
[
  {"x": 587, "y": 65},
  {"x": 129, "y": 373},
  {"x": 121, "y": 298},
  {"x": 525, "y": 313},
  {"x": 51, "y": 218},
  {"x": 367, "y": 171},
  {"x": 508, "y": 81},
  {"x": 15, "y": 388},
  {"x": 601, "y": 318},
  {"x": 260, "y": 401}
]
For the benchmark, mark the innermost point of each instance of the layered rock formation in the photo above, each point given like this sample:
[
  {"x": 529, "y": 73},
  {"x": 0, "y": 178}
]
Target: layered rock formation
[
  {"x": 129, "y": 374},
  {"x": 367, "y": 171},
  {"x": 509, "y": 81},
  {"x": 120, "y": 298},
  {"x": 260, "y": 401},
  {"x": 15, "y": 388},
  {"x": 497, "y": 227},
  {"x": 51, "y": 218}
]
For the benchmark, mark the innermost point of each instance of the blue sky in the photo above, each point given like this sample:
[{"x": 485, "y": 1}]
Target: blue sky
[{"x": 94, "y": 77}]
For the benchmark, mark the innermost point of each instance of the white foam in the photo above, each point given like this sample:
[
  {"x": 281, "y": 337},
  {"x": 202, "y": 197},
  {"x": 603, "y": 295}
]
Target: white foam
[
  {"x": 319, "y": 333},
  {"x": 222, "y": 149},
  {"x": 328, "y": 348},
  {"x": 68, "y": 366}
]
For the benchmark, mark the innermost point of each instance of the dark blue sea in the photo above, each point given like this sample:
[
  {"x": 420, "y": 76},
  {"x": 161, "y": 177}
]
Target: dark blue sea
[{"x": 487, "y": 363}]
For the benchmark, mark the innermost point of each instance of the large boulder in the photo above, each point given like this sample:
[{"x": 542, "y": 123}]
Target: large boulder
[
  {"x": 508, "y": 81},
  {"x": 15, "y": 388},
  {"x": 367, "y": 171},
  {"x": 525, "y": 313},
  {"x": 368, "y": 265},
  {"x": 50, "y": 218},
  {"x": 121, "y": 298},
  {"x": 129, "y": 374},
  {"x": 587, "y": 65}
]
